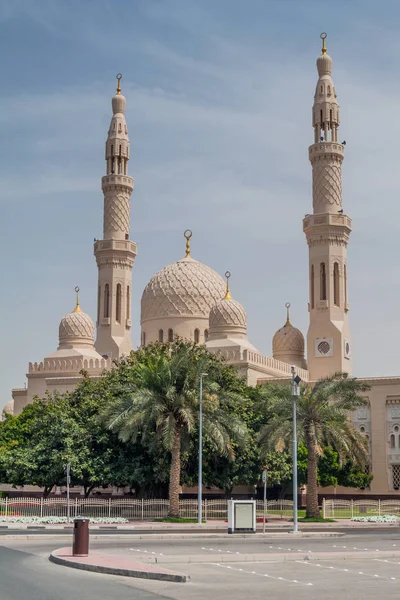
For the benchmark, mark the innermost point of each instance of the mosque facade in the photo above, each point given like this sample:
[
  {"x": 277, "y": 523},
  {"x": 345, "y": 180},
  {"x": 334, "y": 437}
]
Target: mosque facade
[{"x": 188, "y": 299}]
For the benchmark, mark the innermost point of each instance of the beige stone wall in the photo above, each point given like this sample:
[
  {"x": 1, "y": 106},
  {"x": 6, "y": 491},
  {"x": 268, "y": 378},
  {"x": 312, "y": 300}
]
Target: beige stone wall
[{"x": 379, "y": 421}]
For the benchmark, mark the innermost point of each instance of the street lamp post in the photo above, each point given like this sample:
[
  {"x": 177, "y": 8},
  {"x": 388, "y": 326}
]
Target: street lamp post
[
  {"x": 295, "y": 393},
  {"x": 200, "y": 482}
]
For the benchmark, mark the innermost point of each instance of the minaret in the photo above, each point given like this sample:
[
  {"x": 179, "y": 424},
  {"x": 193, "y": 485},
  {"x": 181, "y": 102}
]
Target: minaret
[
  {"x": 115, "y": 253},
  {"x": 327, "y": 231}
]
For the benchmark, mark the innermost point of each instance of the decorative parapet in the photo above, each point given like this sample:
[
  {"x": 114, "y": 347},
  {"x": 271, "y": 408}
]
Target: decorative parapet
[
  {"x": 75, "y": 365},
  {"x": 271, "y": 364}
]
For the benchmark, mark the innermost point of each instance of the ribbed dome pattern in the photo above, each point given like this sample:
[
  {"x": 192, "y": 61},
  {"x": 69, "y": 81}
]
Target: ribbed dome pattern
[
  {"x": 227, "y": 313},
  {"x": 76, "y": 326},
  {"x": 288, "y": 339},
  {"x": 186, "y": 287}
]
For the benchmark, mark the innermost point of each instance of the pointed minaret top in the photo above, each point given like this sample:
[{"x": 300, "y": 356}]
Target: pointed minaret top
[
  {"x": 324, "y": 61},
  {"x": 188, "y": 234},
  {"x": 118, "y": 101},
  {"x": 77, "y": 307},
  {"x": 228, "y": 293},
  {"x": 288, "y": 323},
  {"x": 323, "y": 37},
  {"x": 119, "y": 77}
]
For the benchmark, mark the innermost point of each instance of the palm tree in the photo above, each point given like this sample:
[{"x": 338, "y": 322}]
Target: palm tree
[
  {"x": 165, "y": 399},
  {"x": 323, "y": 419}
]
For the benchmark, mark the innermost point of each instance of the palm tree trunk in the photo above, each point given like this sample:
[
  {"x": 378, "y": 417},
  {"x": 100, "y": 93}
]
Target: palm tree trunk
[
  {"x": 175, "y": 476},
  {"x": 312, "y": 480}
]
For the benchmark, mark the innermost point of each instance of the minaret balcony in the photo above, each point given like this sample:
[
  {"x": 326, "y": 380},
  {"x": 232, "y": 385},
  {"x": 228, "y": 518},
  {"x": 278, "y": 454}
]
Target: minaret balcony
[
  {"x": 321, "y": 148},
  {"x": 117, "y": 180},
  {"x": 330, "y": 219}
]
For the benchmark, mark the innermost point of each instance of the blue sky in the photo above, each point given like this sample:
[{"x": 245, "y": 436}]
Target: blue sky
[{"x": 219, "y": 99}]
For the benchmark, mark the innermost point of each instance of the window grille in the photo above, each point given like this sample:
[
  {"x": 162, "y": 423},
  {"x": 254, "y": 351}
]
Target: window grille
[{"x": 396, "y": 477}]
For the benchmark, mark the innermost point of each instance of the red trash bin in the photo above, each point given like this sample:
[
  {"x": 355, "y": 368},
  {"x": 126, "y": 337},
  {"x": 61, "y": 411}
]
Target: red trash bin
[{"x": 80, "y": 544}]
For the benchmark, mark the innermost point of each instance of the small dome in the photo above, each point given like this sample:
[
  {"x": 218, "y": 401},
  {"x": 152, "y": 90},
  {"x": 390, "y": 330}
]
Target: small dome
[
  {"x": 227, "y": 317},
  {"x": 118, "y": 103},
  {"x": 288, "y": 344},
  {"x": 76, "y": 328},
  {"x": 228, "y": 313},
  {"x": 186, "y": 287},
  {"x": 324, "y": 65}
]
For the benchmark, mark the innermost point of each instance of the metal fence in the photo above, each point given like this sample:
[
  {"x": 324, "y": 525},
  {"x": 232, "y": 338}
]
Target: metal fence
[
  {"x": 347, "y": 509},
  {"x": 131, "y": 509}
]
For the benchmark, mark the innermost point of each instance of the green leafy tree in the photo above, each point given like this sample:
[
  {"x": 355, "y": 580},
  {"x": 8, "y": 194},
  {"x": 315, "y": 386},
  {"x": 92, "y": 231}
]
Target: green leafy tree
[
  {"x": 163, "y": 398},
  {"x": 322, "y": 420}
]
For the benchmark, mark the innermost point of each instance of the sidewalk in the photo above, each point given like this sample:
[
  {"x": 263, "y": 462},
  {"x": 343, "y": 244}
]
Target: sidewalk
[
  {"x": 210, "y": 526},
  {"x": 114, "y": 565}
]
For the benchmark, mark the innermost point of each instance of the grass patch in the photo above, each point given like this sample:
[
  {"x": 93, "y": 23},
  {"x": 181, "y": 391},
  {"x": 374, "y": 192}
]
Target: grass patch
[{"x": 176, "y": 520}]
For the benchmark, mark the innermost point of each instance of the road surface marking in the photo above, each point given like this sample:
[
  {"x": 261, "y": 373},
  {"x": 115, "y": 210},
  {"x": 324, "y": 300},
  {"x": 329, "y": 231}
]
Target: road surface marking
[
  {"x": 349, "y": 570},
  {"x": 261, "y": 574}
]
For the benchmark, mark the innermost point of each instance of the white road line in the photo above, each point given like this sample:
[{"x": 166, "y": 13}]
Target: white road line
[
  {"x": 146, "y": 551},
  {"x": 219, "y": 550},
  {"x": 348, "y": 570},
  {"x": 392, "y": 562},
  {"x": 261, "y": 574}
]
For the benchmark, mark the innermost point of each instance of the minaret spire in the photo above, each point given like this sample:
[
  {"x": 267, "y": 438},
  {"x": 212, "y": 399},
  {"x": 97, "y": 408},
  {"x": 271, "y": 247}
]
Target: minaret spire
[
  {"x": 228, "y": 292},
  {"x": 115, "y": 254},
  {"x": 327, "y": 231}
]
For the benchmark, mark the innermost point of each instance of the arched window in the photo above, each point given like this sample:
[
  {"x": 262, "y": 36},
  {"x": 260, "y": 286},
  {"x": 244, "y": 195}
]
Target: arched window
[
  {"x": 205, "y": 335},
  {"x": 392, "y": 441},
  {"x": 329, "y": 91},
  {"x": 322, "y": 283},
  {"x": 118, "y": 304},
  {"x": 106, "y": 300},
  {"x": 98, "y": 304},
  {"x": 170, "y": 335},
  {"x": 128, "y": 302},
  {"x": 312, "y": 287},
  {"x": 336, "y": 290},
  {"x": 160, "y": 335},
  {"x": 143, "y": 338},
  {"x": 322, "y": 89},
  {"x": 197, "y": 336},
  {"x": 345, "y": 284}
]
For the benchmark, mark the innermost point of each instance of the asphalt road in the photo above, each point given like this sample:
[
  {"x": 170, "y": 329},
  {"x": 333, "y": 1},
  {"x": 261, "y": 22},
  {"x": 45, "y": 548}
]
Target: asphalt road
[
  {"x": 25, "y": 572},
  {"x": 25, "y": 576}
]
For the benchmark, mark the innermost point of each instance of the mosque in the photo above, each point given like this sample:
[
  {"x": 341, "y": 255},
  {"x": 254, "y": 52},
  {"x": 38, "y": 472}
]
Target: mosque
[{"x": 190, "y": 300}]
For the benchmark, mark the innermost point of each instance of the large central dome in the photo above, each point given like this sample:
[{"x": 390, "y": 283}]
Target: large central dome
[{"x": 186, "y": 287}]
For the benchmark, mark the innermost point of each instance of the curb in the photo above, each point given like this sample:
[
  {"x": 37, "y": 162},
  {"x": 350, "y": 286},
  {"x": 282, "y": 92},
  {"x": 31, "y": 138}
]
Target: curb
[
  {"x": 183, "y": 536},
  {"x": 158, "y": 576},
  {"x": 269, "y": 558}
]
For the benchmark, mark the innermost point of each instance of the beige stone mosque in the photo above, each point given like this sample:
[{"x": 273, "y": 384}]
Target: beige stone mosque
[{"x": 189, "y": 299}]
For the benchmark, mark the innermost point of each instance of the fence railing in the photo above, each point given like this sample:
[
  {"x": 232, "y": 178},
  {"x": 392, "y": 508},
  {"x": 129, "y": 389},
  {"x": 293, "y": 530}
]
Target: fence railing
[
  {"x": 130, "y": 508},
  {"x": 347, "y": 509}
]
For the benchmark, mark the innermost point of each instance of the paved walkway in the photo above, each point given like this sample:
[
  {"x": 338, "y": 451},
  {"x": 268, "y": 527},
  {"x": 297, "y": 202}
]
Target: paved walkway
[
  {"x": 279, "y": 524},
  {"x": 114, "y": 565}
]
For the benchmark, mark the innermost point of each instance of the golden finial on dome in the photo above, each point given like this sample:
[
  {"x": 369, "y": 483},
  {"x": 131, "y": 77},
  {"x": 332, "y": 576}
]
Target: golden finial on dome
[
  {"x": 119, "y": 77},
  {"x": 188, "y": 234},
  {"x": 228, "y": 294},
  {"x": 323, "y": 37},
  {"x": 77, "y": 307},
  {"x": 288, "y": 323}
]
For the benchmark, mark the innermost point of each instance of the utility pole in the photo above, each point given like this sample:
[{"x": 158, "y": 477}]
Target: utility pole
[
  {"x": 295, "y": 394},
  {"x": 200, "y": 481},
  {"x": 264, "y": 478},
  {"x": 68, "y": 502}
]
